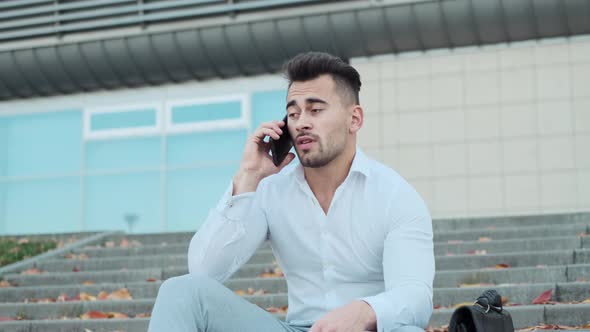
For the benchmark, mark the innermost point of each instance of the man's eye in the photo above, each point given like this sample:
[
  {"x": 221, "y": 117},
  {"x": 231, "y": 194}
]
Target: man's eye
[
  {"x": 315, "y": 110},
  {"x": 292, "y": 115}
]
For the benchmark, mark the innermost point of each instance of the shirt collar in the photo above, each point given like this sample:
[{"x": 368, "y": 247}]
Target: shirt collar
[{"x": 360, "y": 164}]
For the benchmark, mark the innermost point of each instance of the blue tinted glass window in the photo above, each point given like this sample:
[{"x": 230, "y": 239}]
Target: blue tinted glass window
[
  {"x": 116, "y": 120},
  {"x": 42, "y": 143},
  {"x": 42, "y": 206},
  {"x": 268, "y": 106},
  {"x": 110, "y": 198},
  {"x": 205, "y": 147},
  {"x": 192, "y": 193},
  {"x": 206, "y": 112},
  {"x": 123, "y": 153}
]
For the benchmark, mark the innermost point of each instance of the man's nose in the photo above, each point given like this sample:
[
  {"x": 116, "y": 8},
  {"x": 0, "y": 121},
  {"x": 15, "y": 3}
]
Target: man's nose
[{"x": 303, "y": 122}]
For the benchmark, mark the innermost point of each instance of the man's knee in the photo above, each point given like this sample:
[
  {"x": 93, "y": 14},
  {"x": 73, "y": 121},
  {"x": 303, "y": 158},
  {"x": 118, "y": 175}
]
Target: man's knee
[{"x": 187, "y": 286}]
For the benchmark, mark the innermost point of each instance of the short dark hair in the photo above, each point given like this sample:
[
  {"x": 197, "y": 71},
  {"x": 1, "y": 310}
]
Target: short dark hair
[{"x": 308, "y": 66}]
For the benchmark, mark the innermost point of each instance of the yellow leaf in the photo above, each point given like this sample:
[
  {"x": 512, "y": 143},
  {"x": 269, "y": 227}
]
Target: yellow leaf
[{"x": 87, "y": 297}]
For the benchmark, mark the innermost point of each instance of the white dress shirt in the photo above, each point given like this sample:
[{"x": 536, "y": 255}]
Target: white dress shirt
[{"x": 374, "y": 244}]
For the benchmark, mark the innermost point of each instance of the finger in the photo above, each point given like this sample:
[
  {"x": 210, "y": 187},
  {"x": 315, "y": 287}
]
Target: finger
[
  {"x": 263, "y": 132},
  {"x": 276, "y": 125}
]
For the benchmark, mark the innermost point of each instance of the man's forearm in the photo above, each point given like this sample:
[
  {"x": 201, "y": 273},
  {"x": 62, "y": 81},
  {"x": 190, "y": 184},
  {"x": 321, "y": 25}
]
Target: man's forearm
[{"x": 245, "y": 182}]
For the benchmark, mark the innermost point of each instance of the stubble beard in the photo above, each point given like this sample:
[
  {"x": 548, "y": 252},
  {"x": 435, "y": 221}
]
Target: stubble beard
[{"x": 324, "y": 154}]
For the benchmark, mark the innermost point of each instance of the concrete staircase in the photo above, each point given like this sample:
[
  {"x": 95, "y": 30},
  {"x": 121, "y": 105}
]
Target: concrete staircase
[{"x": 521, "y": 257}]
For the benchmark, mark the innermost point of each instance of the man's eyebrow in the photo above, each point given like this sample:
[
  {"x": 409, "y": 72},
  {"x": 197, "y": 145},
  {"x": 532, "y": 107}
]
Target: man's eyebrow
[{"x": 308, "y": 101}]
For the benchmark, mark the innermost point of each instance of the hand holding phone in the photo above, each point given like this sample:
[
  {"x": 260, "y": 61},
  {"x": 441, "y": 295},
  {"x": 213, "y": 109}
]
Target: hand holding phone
[{"x": 280, "y": 148}]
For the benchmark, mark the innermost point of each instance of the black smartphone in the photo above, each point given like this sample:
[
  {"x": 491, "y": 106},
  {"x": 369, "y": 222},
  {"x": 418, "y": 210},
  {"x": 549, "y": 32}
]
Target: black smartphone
[{"x": 281, "y": 147}]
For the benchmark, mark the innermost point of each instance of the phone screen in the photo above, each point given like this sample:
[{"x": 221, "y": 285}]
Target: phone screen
[{"x": 281, "y": 147}]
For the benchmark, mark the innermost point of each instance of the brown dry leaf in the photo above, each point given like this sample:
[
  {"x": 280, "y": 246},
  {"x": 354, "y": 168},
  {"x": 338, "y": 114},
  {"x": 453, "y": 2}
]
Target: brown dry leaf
[
  {"x": 120, "y": 294},
  {"x": 282, "y": 310},
  {"x": 33, "y": 270},
  {"x": 113, "y": 314},
  {"x": 476, "y": 285},
  {"x": 142, "y": 315},
  {"x": 63, "y": 298},
  {"x": 484, "y": 239},
  {"x": 544, "y": 297},
  {"x": 502, "y": 266},
  {"x": 240, "y": 292},
  {"x": 477, "y": 252},
  {"x": 87, "y": 297},
  {"x": 4, "y": 283},
  {"x": 88, "y": 282},
  {"x": 151, "y": 279},
  {"x": 102, "y": 295},
  {"x": 82, "y": 256},
  {"x": 94, "y": 315}
]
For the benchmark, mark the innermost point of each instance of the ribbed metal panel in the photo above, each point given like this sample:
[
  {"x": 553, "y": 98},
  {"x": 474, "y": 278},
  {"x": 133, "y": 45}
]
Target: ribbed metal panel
[{"x": 239, "y": 47}]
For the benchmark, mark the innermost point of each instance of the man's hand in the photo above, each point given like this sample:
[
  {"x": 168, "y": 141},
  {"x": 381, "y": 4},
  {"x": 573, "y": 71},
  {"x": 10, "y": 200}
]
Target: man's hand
[
  {"x": 256, "y": 162},
  {"x": 357, "y": 316}
]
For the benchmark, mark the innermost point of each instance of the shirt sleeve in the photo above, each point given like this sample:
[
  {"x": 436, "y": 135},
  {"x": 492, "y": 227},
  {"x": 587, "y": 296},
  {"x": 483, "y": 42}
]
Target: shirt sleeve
[
  {"x": 230, "y": 235},
  {"x": 408, "y": 266}
]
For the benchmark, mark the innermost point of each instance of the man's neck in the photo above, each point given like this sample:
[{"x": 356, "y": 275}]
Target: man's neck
[{"x": 324, "y": 181}]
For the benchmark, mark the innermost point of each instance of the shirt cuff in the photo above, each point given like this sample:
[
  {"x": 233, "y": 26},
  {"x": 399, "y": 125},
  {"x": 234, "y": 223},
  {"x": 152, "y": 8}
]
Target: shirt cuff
[
  {"x": 234, "y": 207},
  {"x": 385, "y": 313}
]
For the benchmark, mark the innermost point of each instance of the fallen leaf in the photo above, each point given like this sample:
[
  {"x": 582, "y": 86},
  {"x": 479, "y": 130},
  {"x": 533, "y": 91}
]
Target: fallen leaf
[
  {"x": 87, "y": 297},
  {"x": 151, "y": 279},
  {"x": 502, "y": 266},
  {"x": 476, "y": 285},
  {"x": 142, "y": 315},
  {"x": 124, "y": 243},
  {"x": 5, "y": 283},
  {"x": 543, "y": 297},
  {"x": 117, "y": 315},
  {"x": 82, "y": 256},
  {"x": 94, "y": 315},
  {"x": 120, "y": 294},
  {"x": 88, "y": 282},
  {"x": 32, "y": 271},
  {"x": 102, "y": 295},
  {"x": 477, "y": 252}
]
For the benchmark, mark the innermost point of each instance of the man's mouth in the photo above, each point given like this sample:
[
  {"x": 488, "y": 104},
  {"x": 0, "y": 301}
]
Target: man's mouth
[{"x": 305, "y": 142}]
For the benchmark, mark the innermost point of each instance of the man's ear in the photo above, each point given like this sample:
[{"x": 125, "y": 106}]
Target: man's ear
[{"x": 357, "y": 117}]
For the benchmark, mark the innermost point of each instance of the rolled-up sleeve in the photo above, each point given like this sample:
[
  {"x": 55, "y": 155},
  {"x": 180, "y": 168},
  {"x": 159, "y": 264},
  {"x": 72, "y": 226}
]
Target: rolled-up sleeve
[
  {"x": 233, "y": 231},
  {"x": 408, "y": 266}
]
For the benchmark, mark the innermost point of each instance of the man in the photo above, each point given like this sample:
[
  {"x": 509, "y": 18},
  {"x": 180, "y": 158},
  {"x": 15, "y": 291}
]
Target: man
[{"x": 353, "y": 239}]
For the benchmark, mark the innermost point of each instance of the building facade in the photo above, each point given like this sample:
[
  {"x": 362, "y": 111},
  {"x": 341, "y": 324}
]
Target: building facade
[{"x": 483, "y": 107}]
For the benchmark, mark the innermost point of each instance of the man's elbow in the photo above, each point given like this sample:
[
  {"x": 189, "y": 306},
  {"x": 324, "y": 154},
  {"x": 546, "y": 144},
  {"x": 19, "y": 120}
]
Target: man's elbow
[{"x": 419, "y": 307}]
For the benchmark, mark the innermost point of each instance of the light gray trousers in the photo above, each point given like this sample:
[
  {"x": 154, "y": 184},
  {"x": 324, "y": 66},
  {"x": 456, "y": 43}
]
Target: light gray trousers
[{"x": 198, "y": 303}]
